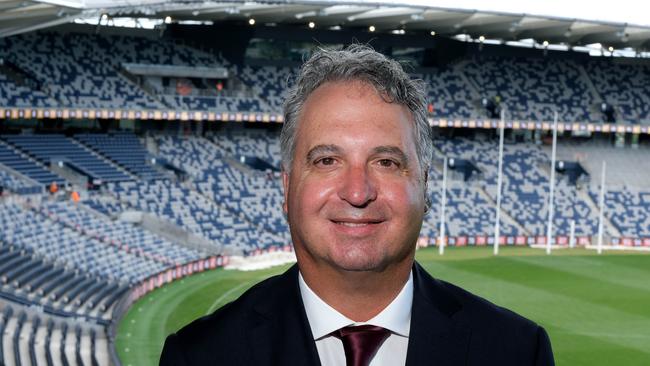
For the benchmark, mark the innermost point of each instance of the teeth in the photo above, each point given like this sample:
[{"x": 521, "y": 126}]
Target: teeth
[{"x": 353, "y": 224}]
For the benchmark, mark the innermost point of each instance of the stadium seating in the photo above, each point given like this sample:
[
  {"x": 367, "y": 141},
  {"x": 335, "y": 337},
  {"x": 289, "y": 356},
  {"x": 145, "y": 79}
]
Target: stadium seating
[
  {"x": 5, "y": 317},
  {"x": 215, "y": 104},
  {"x": 123, "y": 149},
  {"x": 533, "y": 89},
  {"x": 467, "y": 212},
  {"x": 263, "y": 143},
  {"x": 78, "y": 70},
  {"x": 25, "y": 165},
  {"x": 61, "y": 244},
  {"x": 196, "y": 213},
  {"x": 87, "y": 70},
  {"x": 30, "y": 337},
  {"x": 252, "y": 195},
  {"x": 77, "y": 260},
  {"x": 449, "y": 95},
  {"x": 64, "y": 267},
  {"x": 18, "y": 185},
  {"x": 268, "y": 83},
  {"x": 82, "y": 70},
  {"x": 119, "y": 233},
  {"x": 628, "y": 209},
  {"x": 105, "y": 204},
  {"x": 624, "y": 87},
  {"x": 15, "y": 95},
  {"x": 525, "y": 186},
  {"x": 52, "y": 148}
]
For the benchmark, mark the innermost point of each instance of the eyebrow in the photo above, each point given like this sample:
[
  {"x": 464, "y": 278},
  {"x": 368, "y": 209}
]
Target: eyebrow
[{"x": 322, "y": 149}]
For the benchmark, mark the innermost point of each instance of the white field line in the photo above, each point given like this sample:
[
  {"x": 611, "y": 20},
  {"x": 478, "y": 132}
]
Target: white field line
[{"x": 218, "y": 301}]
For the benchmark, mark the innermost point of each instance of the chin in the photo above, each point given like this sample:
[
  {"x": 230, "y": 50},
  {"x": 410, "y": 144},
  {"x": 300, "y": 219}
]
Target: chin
[{"x": 360, "y": 261}]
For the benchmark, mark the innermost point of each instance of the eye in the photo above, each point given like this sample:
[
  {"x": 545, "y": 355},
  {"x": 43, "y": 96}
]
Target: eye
[
  {"x": 327, "y": 161},
  {"x": 387, "y": 163}
]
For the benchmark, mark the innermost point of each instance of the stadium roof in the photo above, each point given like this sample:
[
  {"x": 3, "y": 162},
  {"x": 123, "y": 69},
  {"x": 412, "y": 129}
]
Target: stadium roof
[{"x": 19, "y": 16}]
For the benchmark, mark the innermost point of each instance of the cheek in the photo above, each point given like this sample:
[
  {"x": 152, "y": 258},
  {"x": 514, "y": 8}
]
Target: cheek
[
  {"x": 408, "y": 199},
  {"x": 310, "y": 194}
]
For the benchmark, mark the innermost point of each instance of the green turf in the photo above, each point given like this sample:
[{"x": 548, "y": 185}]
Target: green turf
[{"x": 595, "y": 308}]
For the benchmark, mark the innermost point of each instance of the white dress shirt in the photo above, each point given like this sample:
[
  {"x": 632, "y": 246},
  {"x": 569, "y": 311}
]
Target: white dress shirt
[{"x": 323, "y": 320}]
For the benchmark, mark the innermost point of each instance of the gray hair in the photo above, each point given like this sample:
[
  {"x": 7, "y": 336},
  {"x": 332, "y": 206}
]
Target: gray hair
[{"x": 362, "y": 63}]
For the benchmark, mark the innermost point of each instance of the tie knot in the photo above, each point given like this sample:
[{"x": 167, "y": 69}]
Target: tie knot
[{"x": 361, "y": 343}]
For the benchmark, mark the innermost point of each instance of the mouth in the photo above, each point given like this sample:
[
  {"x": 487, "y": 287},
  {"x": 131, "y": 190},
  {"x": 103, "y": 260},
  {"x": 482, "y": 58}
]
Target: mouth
[{"x": 356, "y": 223}]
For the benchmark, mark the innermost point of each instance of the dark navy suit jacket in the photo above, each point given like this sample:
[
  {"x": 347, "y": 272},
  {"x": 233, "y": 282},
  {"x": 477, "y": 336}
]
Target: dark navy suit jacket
[{"x": 267, "y": 325}]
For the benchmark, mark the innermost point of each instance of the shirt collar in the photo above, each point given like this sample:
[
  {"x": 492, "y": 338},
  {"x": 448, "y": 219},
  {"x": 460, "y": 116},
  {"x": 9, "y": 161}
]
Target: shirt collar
[{"x": 324, "y": 319}]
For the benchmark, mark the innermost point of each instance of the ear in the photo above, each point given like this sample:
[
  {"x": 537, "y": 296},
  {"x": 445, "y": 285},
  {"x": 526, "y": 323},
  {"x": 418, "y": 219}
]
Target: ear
[{"x": 285, "y": 185}]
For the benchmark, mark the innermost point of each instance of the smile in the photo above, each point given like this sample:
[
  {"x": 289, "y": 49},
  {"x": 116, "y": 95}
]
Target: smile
[
  {"x": 353, "y": 224},
  {"x": 356, "y": 223}
]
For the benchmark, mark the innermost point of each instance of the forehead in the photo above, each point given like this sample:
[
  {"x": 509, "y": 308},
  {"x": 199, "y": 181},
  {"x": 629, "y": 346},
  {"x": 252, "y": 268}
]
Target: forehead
[{"x": 353, "y": 112}]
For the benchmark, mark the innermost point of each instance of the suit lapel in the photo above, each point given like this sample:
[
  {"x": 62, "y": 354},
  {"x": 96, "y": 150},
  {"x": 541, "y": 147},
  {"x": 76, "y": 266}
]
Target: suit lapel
[
  {"x": 279, "y": 329},
  {"x": 438, "y": 335}
]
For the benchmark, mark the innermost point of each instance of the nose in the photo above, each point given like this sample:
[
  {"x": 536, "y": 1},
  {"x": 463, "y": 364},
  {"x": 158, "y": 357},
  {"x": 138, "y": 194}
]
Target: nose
[{"x": 358, "y": 187}]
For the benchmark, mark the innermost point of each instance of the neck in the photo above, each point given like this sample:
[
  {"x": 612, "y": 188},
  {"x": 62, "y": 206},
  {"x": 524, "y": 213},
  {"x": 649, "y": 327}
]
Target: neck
[{"x": 359, "y": 295}]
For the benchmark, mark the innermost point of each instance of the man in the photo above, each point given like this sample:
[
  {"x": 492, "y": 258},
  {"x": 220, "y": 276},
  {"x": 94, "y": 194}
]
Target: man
[{"x": 356, "y": 149}]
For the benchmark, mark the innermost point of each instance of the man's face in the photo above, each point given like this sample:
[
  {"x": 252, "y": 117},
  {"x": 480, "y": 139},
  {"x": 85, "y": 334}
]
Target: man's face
[{"x": 355, "y": 193}]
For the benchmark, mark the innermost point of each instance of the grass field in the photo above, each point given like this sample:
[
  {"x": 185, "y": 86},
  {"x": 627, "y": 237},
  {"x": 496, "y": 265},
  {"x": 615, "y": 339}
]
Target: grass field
[{"x": 596, "y": 309}]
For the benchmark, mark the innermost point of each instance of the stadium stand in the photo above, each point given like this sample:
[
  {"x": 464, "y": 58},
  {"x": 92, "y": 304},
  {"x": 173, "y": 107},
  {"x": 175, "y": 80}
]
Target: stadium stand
[
  {"x": 88, "y": 70},
  {"x": 37, "y": 338},
  {"x": 252, "y": 195},
  {"x": 230, "y": 203},
  {"x": 468, "y": 212},
  {"x": 48, "y": 149},
  {"x": 195, "y": 212},
  {"x": 20, "y": 162},
  {"x": 65, "y": 267},
  {"x": 268, "y": 83},
  {"x": 449, "y": 94},
  {"x": 533, "y": 89},
  {"x": 262, "y": 143},
  {"x": 525, "y": 188},
  {"x": 17, "y": 184},
  {"x": 96, "y": 247},
  {"x": 13, "y": 94},
  {"x": 4, "y": 319},
  {"x": 628, "y": 209},
  {"x": 77, "y": 70},
  {"x": 123, "y": 149},
  {"x": 91, "y": 256},
  {"x": 624, "y": 87},
  {"x": 120, "y": 233},
  {"x": 84, "y": 70},
  {"x": 106, "y": 205}
]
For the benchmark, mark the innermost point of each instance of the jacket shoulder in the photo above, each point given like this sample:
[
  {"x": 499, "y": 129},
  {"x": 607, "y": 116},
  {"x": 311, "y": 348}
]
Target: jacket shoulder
[
  {"x": 501, "y": 335},
  {"x": 483, "y": 313},
  {"x": 221, "y": 335},
  {"x": 498, "y": 335}
]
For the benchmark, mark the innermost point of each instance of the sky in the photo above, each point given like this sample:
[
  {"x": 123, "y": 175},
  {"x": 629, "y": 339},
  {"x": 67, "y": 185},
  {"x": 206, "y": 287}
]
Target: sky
[{"x": 635, "y": 12}]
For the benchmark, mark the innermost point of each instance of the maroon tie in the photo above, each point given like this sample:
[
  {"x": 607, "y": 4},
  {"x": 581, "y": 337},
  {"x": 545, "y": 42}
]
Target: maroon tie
[{"x": 361, "y": 343}]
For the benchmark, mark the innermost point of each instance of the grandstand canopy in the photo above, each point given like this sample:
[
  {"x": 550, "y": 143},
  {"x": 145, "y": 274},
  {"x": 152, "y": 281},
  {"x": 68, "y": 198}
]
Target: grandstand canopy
[{"x": 19, "y": 16}]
